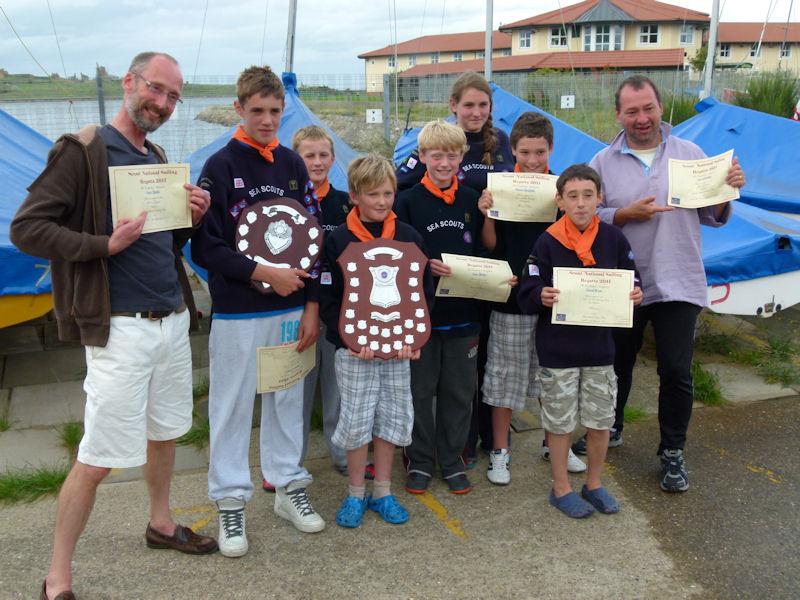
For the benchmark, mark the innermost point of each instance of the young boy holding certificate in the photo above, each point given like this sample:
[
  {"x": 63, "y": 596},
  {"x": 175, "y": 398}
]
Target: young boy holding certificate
[
  {"x": 511, "y": 366},
  {"x": 375, "y": 393},
  {"x": 576, "y": 362},
  {"x": 446, "y": 215},
  {"x": 251, "y": 168}
]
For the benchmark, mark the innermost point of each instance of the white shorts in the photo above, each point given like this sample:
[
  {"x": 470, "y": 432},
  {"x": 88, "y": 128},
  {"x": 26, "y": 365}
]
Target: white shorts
[{"x": 138, "y": 388}]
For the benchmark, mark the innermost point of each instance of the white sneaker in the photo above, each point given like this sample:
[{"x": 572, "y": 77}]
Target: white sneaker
[
  {"x": 498, "y": 472},
  {"x": 232, "y": 540},
  {"x": 574, "y": 464},
  {"x": 292, "y": 503}
]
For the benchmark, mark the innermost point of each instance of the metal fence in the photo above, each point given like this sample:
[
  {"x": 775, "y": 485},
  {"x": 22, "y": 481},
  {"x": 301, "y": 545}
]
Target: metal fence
[{"x": 342, "y": 101}]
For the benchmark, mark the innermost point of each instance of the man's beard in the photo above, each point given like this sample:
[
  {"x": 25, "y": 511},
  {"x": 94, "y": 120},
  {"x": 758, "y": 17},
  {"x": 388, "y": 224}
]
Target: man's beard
[{"x": 136, "y": 111}]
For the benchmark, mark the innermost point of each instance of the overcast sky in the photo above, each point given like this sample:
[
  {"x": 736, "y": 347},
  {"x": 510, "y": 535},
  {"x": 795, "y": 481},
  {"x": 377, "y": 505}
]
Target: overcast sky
[{"x": 329, "y": 36}]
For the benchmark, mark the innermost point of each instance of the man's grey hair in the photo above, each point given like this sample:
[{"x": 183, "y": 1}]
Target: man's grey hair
[{"x": 141, "y": 60}]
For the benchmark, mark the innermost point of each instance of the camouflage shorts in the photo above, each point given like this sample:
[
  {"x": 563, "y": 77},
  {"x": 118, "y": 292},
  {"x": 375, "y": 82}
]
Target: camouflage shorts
[{"x": 586, "y": 392}]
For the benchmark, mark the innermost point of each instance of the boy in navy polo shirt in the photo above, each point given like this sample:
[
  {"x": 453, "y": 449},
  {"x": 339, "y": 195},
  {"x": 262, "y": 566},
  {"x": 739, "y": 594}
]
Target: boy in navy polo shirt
[
  {"x": 577, "y": 362},
  {"x": 253, "y": 167}
]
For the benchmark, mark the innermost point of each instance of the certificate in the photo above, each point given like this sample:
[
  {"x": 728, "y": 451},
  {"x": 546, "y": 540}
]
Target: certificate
[
  {"x": 699, "y": 183},
  {"x": 527, "y": 197},
  {"x": 280, "y": 367},
  {"x": 593, "y": 297},
  {"x": 157, "y": 189},
  {"x": 473, "y": 277}
]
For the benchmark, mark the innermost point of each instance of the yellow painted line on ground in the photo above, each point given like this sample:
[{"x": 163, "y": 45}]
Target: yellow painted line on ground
[
  {"x": 769, "y": 474},
  {"x": 452, "y": 524},
  {"x": 202, "y": 509}
]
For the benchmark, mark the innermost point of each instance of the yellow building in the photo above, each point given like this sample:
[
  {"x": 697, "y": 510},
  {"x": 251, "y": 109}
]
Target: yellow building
[
  {"x": 429, "y": 50},
  {"x": 737, "y": 43}
]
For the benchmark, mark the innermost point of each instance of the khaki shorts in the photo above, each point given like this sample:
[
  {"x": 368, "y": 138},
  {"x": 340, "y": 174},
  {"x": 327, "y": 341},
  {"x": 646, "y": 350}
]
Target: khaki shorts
[{"x": 588, "y": 393}]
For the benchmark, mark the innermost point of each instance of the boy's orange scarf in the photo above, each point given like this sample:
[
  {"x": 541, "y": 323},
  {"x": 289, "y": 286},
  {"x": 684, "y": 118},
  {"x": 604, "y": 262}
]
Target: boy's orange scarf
[
  {"x": 323, "y": 189},
  {"x": 357, "y": 228},
  {"x": 573, "y": 238},
  {"x": 448, "y": 195},
  {"x": 264, "y": 151}
]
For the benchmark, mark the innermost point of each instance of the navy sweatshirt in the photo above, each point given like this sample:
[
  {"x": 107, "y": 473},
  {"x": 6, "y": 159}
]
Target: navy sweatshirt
[
  {"x": 453, "y": 229},
  {"x": 237, "y": 176},
  {"x": 334, "y": 208},
  {"x": 472, "y": 171},
  {"x": 332, "y": 288},
  {"x": 565, "y": 346}
]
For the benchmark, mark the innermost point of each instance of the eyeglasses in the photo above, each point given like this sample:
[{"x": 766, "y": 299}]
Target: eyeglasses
[{"x": 159, "y": 91}]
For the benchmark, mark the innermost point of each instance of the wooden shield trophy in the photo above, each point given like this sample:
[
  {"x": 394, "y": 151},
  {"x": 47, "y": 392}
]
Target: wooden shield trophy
[
  {"x": 383, "y": 305},
  {"x": 278, "y": 233}
]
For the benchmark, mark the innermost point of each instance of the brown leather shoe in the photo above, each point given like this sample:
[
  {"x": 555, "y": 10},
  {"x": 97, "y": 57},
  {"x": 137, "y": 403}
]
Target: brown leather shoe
[
  {"x": 68, "y": 595},
  {"x": 183, "y": 540}
]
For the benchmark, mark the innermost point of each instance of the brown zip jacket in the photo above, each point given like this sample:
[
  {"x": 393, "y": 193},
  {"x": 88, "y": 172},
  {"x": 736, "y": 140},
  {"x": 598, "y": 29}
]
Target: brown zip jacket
[{"x": 63, "y": 219}]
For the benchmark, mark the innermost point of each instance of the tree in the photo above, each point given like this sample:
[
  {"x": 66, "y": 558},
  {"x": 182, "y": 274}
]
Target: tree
[{"x": 698, "y": 61}]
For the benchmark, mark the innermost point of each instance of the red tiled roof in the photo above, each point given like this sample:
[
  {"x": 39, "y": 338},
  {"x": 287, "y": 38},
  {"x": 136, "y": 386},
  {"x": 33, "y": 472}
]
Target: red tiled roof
[
  {"x": 641, "y": 10},
  {"x": 750, "y": 32},
  {"x": 618, "y": 59},
  {"x": 448, "y": 42}
]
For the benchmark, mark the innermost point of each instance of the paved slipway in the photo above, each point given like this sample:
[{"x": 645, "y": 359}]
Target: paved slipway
[{"x": 733, "y": 535}]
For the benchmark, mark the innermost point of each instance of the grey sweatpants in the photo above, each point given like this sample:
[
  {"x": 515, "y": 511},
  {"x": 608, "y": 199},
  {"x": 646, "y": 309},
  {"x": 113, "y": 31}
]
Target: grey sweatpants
[
  {"x": 447, "y": 371},
  {"x": 232, "y": 375}
]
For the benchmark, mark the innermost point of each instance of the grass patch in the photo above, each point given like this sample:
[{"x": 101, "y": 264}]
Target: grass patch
[
  {"x": 200, "y": 388},
  {"x": 706, "y": 386},
  {"x": 5, "y": 424},
  {"x": 633, "y": 414},
  {"x": 773, "y": 93},
  {"x": 27, "y": 485},
  {"x": 197, "y": 436},
  {"x": 715, "y": 343},
  {"x": 776, "y": 362},
  {"x": 69, "y": 436}
]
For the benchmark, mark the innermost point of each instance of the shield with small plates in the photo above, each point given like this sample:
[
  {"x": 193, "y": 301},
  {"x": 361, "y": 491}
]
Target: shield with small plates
[
  {"x": 278, "y": 233},
  {"x": 383, "y": 305}
]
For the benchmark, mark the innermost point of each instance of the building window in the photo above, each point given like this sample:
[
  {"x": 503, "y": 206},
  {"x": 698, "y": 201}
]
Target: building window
[
  {"x": 558, "y": 37},
  {"x": 617, "y": 37},
  {"x": 505, "y": 51},
  {"x": 687, "y": 35},
  {"x": 755, "y": 51},
  {"x": 392, "y": 62},
  {"x": 412, "y": 60},
  {"x": 480, "y": 54},
  {"x": 602, "y": 37},
  {"x": 786, "y": 51},
  {"x": 457, "y": 57},
  {"x": 598, "y": 38},
  {"x": 648, "y": 35},
  {"x": 724, "y": 50},
  {"x": 525, "y": 38},
  {"x": 434, "y": 58}
]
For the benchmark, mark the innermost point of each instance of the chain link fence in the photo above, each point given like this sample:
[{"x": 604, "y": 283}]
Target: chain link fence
[{"x": 342, "y": 101}]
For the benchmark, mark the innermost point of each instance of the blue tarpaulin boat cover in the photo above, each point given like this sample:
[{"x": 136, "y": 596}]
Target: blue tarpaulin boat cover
[
  {"x": 768, "y": 148},
  {"x": 23, "y": 154},
  {"x": 572, "y": 145}
]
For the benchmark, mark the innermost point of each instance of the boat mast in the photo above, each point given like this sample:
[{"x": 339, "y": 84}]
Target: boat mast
[
  {"x": 487, "y": 53},
  {"x": 290, "y": 36},
  {"x": 712, "y": 50}
]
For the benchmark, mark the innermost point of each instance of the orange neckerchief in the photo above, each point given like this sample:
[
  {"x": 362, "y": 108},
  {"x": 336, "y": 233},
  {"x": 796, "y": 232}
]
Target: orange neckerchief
[
  {"x": 323, "y": 189},
  {"x": 448, "y": 195},
  {"x": 357, "y": 228},
  {"x": 264, "y": 151},
  {"x": 518, "y": 170},
  {"x": 573, "y": 238}
]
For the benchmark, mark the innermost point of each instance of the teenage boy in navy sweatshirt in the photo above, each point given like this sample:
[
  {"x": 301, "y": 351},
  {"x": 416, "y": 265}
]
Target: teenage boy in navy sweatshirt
[
  {"x": 376, "y": 402},
  {"x": 253, "y": 167},
  {"x": 447, "y": 217},
  {"x": 577, "y": 362}
]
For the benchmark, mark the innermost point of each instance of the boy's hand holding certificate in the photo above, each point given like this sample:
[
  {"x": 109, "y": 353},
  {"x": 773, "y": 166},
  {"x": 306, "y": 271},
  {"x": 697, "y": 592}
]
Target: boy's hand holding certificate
[
  {"x": 699, "y": 183},
  {"x": 474, "y": 277},
  {"x": 280, "y": 367},
  {"x": 593, "y": 297},
  {"x": 155, "y": 189},
  {"x": 525, "y": 197}
]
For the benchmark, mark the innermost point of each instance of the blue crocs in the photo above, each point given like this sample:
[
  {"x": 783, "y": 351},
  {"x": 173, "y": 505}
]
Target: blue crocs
[
  {"x": 389, "y": 509},
  {"x": 571, "y": 505},
  {"x": 601, "y": 500},
  {"x": 351, "y": 512}
]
